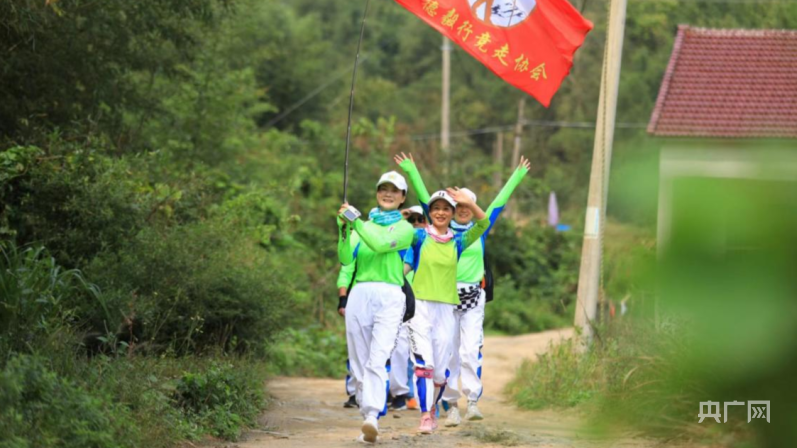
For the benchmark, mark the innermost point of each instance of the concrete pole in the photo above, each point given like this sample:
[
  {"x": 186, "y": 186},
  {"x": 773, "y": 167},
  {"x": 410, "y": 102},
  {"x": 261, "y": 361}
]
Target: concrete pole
[
  {"x": 589, "y": 279},
  {"x": 445, "y": 128}
]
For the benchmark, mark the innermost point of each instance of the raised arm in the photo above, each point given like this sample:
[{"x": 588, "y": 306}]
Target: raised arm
[
  {"x": 474, "y": 233},
  {"x": 500, "y": 201},
  {"x": 408, "y": 165},
  {"x": 347, "y": 240},
  {"x": 382, "y": 241}
]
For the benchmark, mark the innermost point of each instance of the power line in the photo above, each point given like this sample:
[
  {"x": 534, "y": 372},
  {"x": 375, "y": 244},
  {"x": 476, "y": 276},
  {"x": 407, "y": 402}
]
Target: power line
[
  {"x": 533, "y": 123},
  {"x": 311, "y": 95}
]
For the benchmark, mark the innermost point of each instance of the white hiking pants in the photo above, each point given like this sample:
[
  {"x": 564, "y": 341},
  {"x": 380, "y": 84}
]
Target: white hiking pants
[
  {"x": 430, "y": 343},
  {"x": 466, "y": 361},
  {"x": 373, "y": 316},
  {"x": 398, "y": 364}
]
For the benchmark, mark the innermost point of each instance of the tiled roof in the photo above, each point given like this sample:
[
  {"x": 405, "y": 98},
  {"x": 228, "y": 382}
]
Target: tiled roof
[{"x": 729, "y": 83}]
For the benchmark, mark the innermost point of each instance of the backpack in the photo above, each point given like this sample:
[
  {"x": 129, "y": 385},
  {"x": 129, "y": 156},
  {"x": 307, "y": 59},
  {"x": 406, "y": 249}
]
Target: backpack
[
  {"x": 487, "y": 281},
  {"x": 409, "y": 300}
]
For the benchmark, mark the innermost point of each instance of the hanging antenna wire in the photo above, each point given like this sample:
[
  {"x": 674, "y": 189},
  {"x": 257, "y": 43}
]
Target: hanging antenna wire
[{"x": 351, "y": 107}]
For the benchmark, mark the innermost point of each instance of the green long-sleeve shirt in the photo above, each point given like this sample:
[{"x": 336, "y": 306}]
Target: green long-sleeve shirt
[
  {"x": 436, "y": 263},
  {"x": 345, "y": 275},
  {"x": 376, "y": 248}
]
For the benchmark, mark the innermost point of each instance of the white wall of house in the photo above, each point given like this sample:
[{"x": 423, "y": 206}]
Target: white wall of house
[{"x": 730, "y": 159}]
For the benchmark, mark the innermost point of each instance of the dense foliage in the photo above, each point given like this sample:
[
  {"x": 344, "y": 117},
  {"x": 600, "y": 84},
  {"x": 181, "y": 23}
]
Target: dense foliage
[{"x": 169, "y": 171}]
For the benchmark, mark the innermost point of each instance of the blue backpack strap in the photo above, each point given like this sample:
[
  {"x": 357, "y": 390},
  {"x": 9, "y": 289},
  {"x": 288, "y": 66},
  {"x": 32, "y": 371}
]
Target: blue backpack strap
[
  {"x": 353, "y": 274},
  {"x": 420, "y": 236},
  {"x": 459, "y": 241},
  {"x": 356, "y": 249}
]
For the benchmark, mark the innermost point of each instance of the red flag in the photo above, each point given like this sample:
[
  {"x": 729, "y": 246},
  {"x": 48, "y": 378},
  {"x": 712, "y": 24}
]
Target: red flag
[{"x": 528, "y": 43}]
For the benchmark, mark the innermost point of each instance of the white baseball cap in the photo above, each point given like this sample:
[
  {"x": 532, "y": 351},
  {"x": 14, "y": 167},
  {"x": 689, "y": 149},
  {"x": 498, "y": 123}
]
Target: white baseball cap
[
  {"x": 469, "y": 193},
  {"x": 392, "y": 177},
  {"x": 416, "y": 209},
  {"x": 442, "y": 194}
]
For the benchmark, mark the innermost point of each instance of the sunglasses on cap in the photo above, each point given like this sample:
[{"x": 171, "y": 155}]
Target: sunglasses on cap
[{"x": 416, "y": 218}]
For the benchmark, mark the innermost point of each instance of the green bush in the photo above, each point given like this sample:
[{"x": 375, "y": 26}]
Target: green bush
[
  {"x": 198, "y": 286},
  {"x": 40, "y": 410},
  {"x": 77, "y": 202},
  {"x": 105, "y": 44},
  {"x": 222, "y": 399},
  {"x": 517, "y": 311},
  {"x": 178, "y": 398},
  {"x": 312, "y": 351},
  {"x": 536, "y": 278},
  {"x": 189, "y": 270},
  {"x": 127, "y": 402},
  {"x": 39, "y": 299},
  {"x": 146, "y": 387},
  {"x": 536, "y": 257}
]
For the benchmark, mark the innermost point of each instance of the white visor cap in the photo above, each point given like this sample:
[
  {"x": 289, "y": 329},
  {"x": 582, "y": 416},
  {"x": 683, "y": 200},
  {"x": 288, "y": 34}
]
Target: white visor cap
[
  {"x": 469, "y": 193},
  {"x": 416, "y": 209},
  {"x": 392, "y": 177},
  {"x": 442, "y": 194}
]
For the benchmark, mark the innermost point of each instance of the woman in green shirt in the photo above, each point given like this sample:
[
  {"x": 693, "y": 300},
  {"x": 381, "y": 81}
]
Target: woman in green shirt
[
  {"x": 436, "y": 250},
  {"x": 468, "y": 334},
  {"x": 466, "y": 362},
  {"x": 376, "y": 303}
]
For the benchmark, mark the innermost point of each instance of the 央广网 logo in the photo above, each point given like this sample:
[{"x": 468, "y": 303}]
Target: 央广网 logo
[{"x": 755, "y": 409}]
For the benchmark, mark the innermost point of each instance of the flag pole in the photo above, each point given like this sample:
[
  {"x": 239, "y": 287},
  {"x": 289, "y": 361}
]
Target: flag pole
[
  {"x": 590, "y": 274},
  {"x": 351, "y": 107}
]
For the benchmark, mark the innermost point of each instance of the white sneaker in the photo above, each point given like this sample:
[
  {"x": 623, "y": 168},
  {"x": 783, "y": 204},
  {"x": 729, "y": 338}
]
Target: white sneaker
[
  {"x": 370, "y": 430},
  {"x": 361, "y": 439},
  {"x": 453, "y": 418},
  {"x": 473, "y": 412}
]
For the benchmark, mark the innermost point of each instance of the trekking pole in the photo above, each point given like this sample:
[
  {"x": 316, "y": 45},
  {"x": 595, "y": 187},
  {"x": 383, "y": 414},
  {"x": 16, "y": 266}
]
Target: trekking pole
[{"x": 351, "y": 107}]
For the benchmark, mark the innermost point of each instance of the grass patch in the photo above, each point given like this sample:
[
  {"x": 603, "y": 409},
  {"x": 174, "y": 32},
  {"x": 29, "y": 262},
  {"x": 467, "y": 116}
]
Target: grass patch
[
  {"x": 127, "y": 402},
  {"x": 632, "y": 378},
  {"x": 558, "y": 378},
  {"x": 490, "y": 435}
]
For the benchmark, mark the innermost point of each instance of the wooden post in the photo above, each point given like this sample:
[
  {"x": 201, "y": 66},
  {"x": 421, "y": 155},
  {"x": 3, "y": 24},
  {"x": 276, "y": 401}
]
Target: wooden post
[
  {"x": 445, "y": 127},
  {"x": 498, "y": 161},
  {"x": 513, "y": 214},
  {"x": 589, "y": 279}
]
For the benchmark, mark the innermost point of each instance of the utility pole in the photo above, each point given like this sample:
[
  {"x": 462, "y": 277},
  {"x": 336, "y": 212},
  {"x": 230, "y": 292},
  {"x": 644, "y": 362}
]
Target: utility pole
[
  {"x": 513, "y": 214},
  {"x": 445, "y": 128},
  {"x": 589, "y": 279}
]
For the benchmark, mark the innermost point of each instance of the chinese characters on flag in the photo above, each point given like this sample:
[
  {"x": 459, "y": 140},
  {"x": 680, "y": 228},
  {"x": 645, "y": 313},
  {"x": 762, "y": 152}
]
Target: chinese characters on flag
[{"x": 528, "y": 43}]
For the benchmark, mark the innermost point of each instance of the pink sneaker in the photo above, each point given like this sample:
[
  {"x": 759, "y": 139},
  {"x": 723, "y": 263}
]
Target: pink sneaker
[{"x": 427, "y": 425}]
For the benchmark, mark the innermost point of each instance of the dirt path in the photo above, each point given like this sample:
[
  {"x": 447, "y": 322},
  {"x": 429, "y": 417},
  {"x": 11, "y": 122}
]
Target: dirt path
[{"x": 309, "y": 413}]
